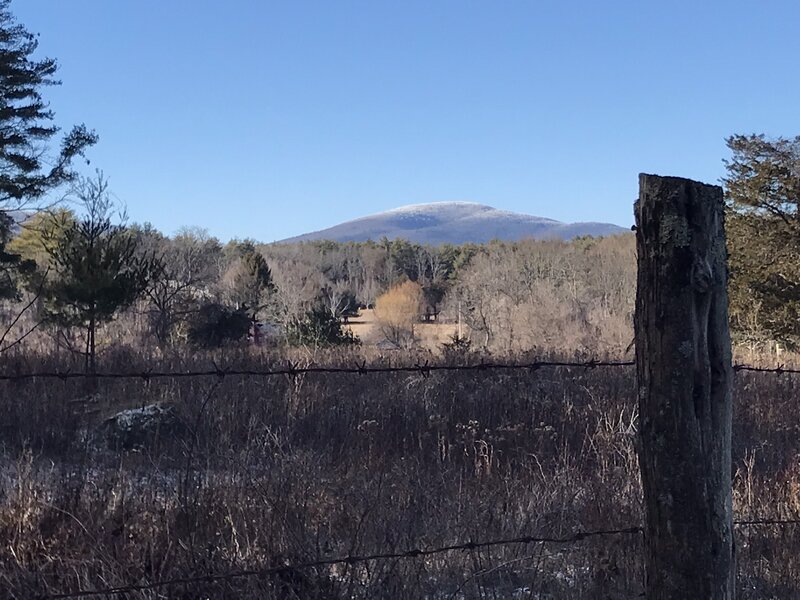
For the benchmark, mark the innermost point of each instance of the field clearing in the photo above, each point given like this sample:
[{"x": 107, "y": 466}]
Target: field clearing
[{"x": 430, "y": 335}]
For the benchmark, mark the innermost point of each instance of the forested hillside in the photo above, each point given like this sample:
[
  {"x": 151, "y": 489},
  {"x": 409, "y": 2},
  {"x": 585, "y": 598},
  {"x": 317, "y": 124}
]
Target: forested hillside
[{"x": 507, "y": 297}]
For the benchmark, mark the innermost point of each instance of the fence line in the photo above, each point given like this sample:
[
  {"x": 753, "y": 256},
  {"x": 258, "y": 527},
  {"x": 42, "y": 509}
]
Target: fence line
[
  {"x": 294, "y": 370},
  {"x": 352, "y": 559},
  {"x": 779, "y": 370},
  {"x": 425, "y": 369},
  {"x": 349, "y": 559}
]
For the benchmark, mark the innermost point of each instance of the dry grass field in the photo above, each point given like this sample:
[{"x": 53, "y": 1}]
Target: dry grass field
[{"x": 246, "y": 473}]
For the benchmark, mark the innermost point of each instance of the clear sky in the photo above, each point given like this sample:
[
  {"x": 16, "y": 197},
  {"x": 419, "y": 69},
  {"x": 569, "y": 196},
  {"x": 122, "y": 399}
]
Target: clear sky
[{"x": 270, "y": 119}]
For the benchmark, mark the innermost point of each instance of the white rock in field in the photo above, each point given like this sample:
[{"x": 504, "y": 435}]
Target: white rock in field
[{"x": 138, "y": 427}]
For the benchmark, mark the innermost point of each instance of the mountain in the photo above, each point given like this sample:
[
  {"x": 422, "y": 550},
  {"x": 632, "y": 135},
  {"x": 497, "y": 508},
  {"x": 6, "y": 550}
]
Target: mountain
[{"x": 454, "y": 223}]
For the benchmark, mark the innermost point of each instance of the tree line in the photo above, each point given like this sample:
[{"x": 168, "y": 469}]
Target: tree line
[{"x": 88, "y": 267}]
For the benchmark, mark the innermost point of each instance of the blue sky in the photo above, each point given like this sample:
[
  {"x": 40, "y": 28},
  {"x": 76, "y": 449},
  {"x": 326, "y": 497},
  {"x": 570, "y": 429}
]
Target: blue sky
[{"x": 266, "y": 120}]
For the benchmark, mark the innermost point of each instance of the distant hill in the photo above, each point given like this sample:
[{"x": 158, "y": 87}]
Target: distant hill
[{"x": 454, "y": 223}]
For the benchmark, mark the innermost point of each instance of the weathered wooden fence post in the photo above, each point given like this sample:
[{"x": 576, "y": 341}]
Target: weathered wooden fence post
[{"x": 683, "y": 368}]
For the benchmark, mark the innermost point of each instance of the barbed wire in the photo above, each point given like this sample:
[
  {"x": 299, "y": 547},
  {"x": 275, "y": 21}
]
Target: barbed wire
[
  {"x": 349, "y": 559},
  {"x": 295, "y": 370},
  {"x": 779, "y": 370},
  {"x": 425, "y": 370},
  {"x": 352, "y": 559}
]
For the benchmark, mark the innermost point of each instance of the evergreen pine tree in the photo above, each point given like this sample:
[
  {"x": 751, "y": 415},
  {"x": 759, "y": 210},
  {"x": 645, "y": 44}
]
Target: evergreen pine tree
[{"x": 27, "y": 171}]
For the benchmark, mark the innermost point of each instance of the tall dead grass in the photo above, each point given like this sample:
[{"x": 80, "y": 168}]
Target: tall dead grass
[{"x": 272, "y": 471}]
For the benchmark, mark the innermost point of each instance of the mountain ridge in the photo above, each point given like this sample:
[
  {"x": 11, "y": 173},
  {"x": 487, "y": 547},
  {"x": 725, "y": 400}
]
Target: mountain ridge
[{"x": 454, "y": 223}]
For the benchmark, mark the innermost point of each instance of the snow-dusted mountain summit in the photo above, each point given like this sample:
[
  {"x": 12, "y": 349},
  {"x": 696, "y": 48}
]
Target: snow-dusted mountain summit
[{"x": 454, "y": 223}]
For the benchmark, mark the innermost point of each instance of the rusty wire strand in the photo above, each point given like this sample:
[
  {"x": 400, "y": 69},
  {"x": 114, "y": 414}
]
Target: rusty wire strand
[
  {"x": 349, "y": 559},
  {"x": 398, "y": 555},
  {"x": 293, "y": 370}
]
